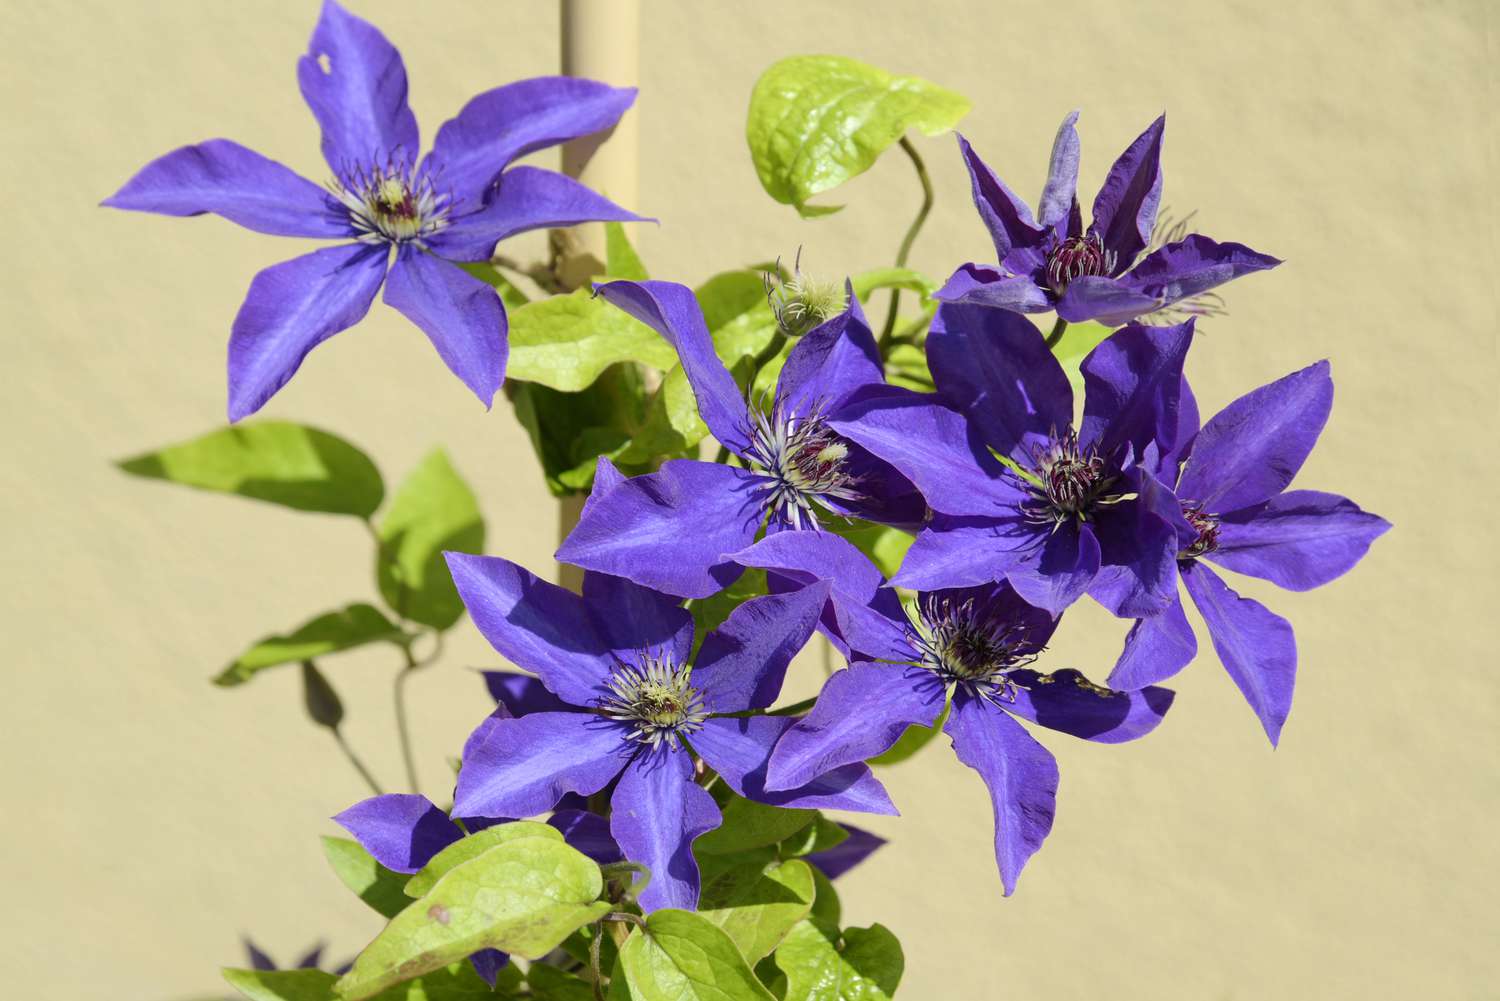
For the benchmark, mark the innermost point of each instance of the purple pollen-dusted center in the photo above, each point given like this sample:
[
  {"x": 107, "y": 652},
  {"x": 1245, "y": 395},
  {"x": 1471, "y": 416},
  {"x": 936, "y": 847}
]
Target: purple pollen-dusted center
[
  {"x": 960, "y": 643},
  {"x": 1070, "y": 481},
  {"x": 1207, "y": 527},
  {"x": 391, "y": 203},
  {"x": 1077, "y": 257}
]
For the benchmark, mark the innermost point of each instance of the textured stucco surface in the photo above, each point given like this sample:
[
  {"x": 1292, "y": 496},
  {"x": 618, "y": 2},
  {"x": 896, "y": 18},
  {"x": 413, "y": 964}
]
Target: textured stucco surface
[{"x": 150, "y": 818}]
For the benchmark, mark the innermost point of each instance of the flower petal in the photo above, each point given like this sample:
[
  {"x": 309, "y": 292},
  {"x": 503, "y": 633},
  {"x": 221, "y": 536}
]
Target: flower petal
[
  {"x": 1256, "y": 646},
  {"x": 589, "y": 833},
  {"x": 1067, "y": 702},
  {"x": 995, "y": 368},
  {"x": 979, "y": 285},
  {"x": 528, "y": 198},
  {"x": 830, "y": 362},
  {"x": 1249, "y": 451},
  {"x": 1060, "y": 193},
  {"x": 291, "y": 308},
  {"x": 742, "y": 664},
  {"x": 1005, "y": 216},
  {"x": 461, "y": 316},
  {"x": 239, "y": 184},
  {"x": 1110, "y": 301},
  {"x": 1155, "y": 649},
  {"x": 521, "y": 694},
  {"x": 1059, "y": 571},
  {"x": 535, "y": 625},
  {"x": 1132, "y": 387},
  {"x": 1138, "y": 545},
  {"x": 858, "y": 846},
  {"x": 355, "y": 84},
  {"x": 501, "y": 125},
  {"x": 861, "y": 712},
  {"x": 1301, "y": 539},
  {"x": 606, "y": 478},
  {"x": 488, "y": 963},
  {"x": 671, "y": 530},
  {"x": 403, "y": 832},
  {"x": 963, "y": 552},
  {"x": 658, "y": 811},
  {"x": 738, "y": 750},
  {"x": 634, "y": 618},
  {"x": 1020, "y": 774},
  {"x": 522, "y": 767},
  {"x": 1125, "y": 208},
  {"x": 1192, "y": 265}
]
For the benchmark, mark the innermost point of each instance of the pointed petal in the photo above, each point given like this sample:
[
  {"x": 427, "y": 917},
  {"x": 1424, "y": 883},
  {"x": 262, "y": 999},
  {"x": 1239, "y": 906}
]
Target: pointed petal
[
  {"x": 522, "y": 767},
  {"x": 1138, "y": 545},
  {"x": 1110, "y": 301},
  {"x": 606, "y": 478},
  {"x": 634, "y": 618},
  {"x": 527, "y": 198},
  {"x": 521, "y": 694},
  {"x": 1125, "y": 208},
  {"x": 1249, "y": 451},
  {"x": 1132, "y": 387},
  {"x": 461, "y": 316},
  {"x": 742, "y": 664},
  {"x": 239, "y": 184},
  {"x": 355, "y": 84},
  {"x": 1300, "y": 540},
  {"x": 1256, "y": 646},
  {"x": 1060, "y": 571},
  {"x": 258, "y": 959},
  {"x": 500, "y": 125},
  {"x": 311, "y": 958},
  {"x": 1060, "y": 192},
  {"x": 738, "y": 750},
  {"x": 995, "y": 368},
  {"x": 858, "y": 846},
  {"x": 1174, "y": 452},
  {"x": 1005, "y": 216},
  {"x": 1021, "y": 776},
  {"x": 979, "y": 285},
  {"x": 589, "y": 833},
  {"x": 1192, "y": 265},
  {"x": 403, "y": 832},
  {"x": 535, "y": 625},
  {"x": 861, "y": 712},
  {"x": 658, "y": 811},
  {"x": 961, "y": 552},
  {"x": 1067, "y": 702},
  {"x": 290, "y": 309},
  {"x": 671, "y": 530},
  {"x": 830, "y": 362},
  {"x": 1155, "y": 649},
  {"x": 488, "y": 963}
]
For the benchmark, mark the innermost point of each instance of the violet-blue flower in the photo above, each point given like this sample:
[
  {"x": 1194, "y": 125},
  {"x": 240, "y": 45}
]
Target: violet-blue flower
[
  {"x": 407, "y": 222},
  {"x": 671, "y": 530},
  {"x": 1231, "y": 479},
  {"x": 636, "y": 709},
  {"x": 1062, "y": 511},
  {"x": 977, "y": 643},
  {"x": 1050, "y": 262}
]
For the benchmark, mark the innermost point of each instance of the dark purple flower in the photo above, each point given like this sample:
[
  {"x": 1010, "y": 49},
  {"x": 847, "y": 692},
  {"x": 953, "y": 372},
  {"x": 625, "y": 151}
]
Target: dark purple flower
[
  {"x": 858, "y": 846},
  {"x": 451, "y": 206},
  {"x": 311, "y": 960},
  {"x": 635, "y": 711},
  {"x": 1051, "y": 262},
  {"x": 670, "y": 530},
  {"x": 977, "y": 643},
  {"x": 1061, "y": 511},
  {"x": 1231, "y": 479}
]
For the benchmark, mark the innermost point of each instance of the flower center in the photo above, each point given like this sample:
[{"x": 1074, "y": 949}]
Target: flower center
[
  {"x": 805, "y": 462},
  {"x": 963, "y": 644},
  {"x": 391, "y": 203},
  {"x": 656, "y": 699},
  {"x": 1069, "y": 481},
  {"x": 1077, "y": 257},
  {"x": 1207, "y": 527}
]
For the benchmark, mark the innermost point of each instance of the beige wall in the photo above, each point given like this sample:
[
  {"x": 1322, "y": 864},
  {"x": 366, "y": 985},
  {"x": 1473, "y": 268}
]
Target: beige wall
[{"x": 149, "y": 818}]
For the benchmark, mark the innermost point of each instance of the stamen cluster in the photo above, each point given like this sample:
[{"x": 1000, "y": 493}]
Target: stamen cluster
[
  {"x": 1069, "y": 481},
  {"x": 392, "y": 203},
  {"x": 656, "y": 698},
  {"x": 805, "y": 461},
  {"x": 1207, "y": 527},
  {"x": 962, "y": 644},
  {"x": 1076, "y": 257}
]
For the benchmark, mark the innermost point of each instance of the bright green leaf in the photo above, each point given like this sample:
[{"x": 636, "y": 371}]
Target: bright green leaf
[
  {"x": 566, "y": 341},
  {"x": 1074, "y": 346},
  {"x": 748, "y": 824},
  {"x": 472, "y": 847},
  {"x": 356, "y": 625},
  {"x": 826, "y": 906},
  {"x": 486, "y": 272},
  {"x": 902, "y": 278},
  {"x": 282, "y": 985},
  {"x": 737, "y": 314},
  {"x": 906, "y": 366},
  {"x": 864, "y": 964},
  {"x": 372, "y": 882},
  {"x": 681, "y": 956},
  {"x": 621, "y": 260},
  {"x": 672, "y": 425},
  {"x": 819, "y": 836},
  {"x": 758, "y": 904},
  {"x": 884, "y": 546},
  {"x": 433, "y": 510},
  {"x": 709, "y": 613},
  {"x": 816, "y": 121},
  {"x": 276, "y": 461},
  {"x": 523, "y": 897},
  {"x": 548, "y": 983}
]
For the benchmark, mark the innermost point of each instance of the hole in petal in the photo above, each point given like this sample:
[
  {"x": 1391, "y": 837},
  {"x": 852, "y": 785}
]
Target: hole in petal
[{"x": 324, "y": 64}]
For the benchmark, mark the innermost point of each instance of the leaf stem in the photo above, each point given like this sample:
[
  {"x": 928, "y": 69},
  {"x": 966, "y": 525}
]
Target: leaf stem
[
  {"x": 354, "y": 760},
  {"x": 904, "y": 251},
  {"x": 1057, "y": 332},
  {"x": 403, "y": 727}
]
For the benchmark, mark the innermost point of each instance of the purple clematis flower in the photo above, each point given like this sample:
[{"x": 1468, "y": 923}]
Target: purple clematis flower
[
  {"x": 671, "y": 530},
  {"x": 1231, "y": 478},
  {"x": 633, "y": 708},
  {"x": 408, "y": 224},
  {"x": 1062, "y": 511},
  {"x": 858, "y": 846},
  {"x": 311, "y": 960},
  {"x": 1051, "y": 263},
  {"x": 977, "y": 643}
]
